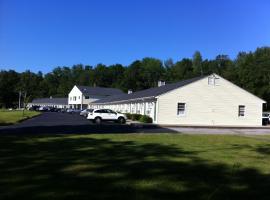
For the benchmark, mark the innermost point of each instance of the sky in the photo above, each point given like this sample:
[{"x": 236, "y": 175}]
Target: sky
[{"x": 40, "y": 35}]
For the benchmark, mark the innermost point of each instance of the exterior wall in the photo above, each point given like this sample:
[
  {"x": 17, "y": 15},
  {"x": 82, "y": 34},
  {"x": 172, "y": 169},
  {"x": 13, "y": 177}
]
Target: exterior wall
[
  {"x": 47, "y": 104},
  {"x": 75, "y": 92},
  {"x": 210, "y": 105},
  {"x": 81, "y": 102},
  {"x": 142, "y": 107}
]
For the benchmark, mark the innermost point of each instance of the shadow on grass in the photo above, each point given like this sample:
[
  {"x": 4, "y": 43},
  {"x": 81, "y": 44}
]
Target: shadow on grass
[
  {"x": 83, "y": 129},
  {"x": 61, "y": 167}
]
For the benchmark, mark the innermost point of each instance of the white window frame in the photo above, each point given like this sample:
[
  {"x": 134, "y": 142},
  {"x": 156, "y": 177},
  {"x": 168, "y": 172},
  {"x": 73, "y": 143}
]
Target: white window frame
[
  {"x": 216, "y": 81},
  {"x": 243, "y": 111},
  {"x": 185, "y": 109},
  {"x": 212, "y": 80}
]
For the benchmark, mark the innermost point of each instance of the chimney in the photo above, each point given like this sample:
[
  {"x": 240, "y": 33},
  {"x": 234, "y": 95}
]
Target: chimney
[
  {"x": 129, "y": 91},
  {"x": 50, "y": 97},
  {"x": 161, "y": 83}
]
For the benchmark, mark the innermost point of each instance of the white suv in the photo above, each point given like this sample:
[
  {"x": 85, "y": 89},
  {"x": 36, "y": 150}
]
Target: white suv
[{"x": 99, "y": 115}]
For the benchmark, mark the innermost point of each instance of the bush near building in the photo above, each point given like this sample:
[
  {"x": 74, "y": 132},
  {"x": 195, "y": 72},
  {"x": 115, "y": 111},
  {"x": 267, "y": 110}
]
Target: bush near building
[
  {"x": 146, "y": 119},
  {"x": 139, "y": 117}
]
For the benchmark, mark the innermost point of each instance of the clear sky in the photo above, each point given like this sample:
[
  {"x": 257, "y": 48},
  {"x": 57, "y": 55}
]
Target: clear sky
[{"x": 43, "y": 34}]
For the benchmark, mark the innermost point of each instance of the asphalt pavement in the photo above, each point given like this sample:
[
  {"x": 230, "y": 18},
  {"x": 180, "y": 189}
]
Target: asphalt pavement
[{"x": 65, "y": 123}]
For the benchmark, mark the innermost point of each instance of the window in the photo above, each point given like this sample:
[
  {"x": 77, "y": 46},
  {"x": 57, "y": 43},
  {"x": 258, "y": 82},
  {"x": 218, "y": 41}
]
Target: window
[
  {"x": 79, "y": 97},
  {"x": 74, "y": 98},
  {"x": 212, "y": 80},
  {"x": 216, "y": 81},
  {"x": 181, "y": 108},
  {"x": 86, "y": 97},
  {"x": 241, "y": 111}
]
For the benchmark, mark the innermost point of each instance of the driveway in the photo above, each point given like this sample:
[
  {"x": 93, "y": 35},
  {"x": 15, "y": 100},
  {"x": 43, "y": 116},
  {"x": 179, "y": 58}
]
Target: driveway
[
  {"x": 50, "y": 122},
  {"x": 64, "y": 123}
]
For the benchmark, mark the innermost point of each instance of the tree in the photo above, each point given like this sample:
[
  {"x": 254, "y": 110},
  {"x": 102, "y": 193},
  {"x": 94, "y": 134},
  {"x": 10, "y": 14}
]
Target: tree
[
  {"x": 197, "y": 63},
  {"x": 182, "y": 70},
  {"x": 8, "y": 88}
]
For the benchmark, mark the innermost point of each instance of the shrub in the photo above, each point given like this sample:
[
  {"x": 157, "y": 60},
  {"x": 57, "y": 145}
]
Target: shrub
[
  {"x": 135, "y": 117},
  {"x": 146, "y": 119},
  {"x": 128, "y": 115}
]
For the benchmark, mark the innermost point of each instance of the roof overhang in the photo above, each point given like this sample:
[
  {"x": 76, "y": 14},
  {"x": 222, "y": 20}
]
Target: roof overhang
[{"x": 144, "y": 99}]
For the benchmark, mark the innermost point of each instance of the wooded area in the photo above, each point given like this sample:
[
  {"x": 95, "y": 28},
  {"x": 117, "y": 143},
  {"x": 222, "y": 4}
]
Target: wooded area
[{"x": 250, "y": 70}]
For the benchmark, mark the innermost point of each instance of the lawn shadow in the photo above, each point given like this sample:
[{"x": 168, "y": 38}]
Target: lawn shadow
[
  {"x": 58, "y": 167},
  {"x": 83, "y": 129}
]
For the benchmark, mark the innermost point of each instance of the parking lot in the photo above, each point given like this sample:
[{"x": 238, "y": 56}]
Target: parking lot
[
  {"x": 54, "y": 122},
  {"x": 65, "y": 123}
]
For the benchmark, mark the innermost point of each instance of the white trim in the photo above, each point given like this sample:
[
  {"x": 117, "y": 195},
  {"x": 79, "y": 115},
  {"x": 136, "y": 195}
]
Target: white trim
[{"x": 185, "y": 110}]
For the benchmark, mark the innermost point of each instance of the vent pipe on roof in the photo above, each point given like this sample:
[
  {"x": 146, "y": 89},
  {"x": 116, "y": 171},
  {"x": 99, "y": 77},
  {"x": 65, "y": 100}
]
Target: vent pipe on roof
[
  {"x": 161, "y": 83},
  {"x": 50, "y": 97},
  {"x": 129, "y": 91}
]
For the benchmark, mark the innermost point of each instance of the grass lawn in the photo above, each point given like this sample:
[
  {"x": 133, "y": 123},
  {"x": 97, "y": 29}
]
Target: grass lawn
[
  {"x": 134, "y": 166},
  {"x": 11, "y": 117}
]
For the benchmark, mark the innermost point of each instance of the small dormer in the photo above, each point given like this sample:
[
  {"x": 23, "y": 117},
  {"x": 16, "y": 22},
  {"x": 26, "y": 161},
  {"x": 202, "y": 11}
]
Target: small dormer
[{"x": 214, "y": 80}]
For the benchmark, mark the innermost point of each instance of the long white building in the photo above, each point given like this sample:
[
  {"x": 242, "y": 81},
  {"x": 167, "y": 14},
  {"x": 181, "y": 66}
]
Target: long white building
[
  {"x": 51, "y": 102},
  {"x": 204, "y": 101}
]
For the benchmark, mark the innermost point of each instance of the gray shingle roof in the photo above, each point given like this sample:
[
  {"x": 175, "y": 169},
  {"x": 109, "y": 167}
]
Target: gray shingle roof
[
  {"x": 55, "y": 101},
  {"x": 86, "y": 90},
  {"x": 151, "y": 92}
]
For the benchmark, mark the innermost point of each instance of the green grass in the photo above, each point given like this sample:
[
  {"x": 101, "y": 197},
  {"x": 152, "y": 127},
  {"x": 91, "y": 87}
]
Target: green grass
[
  {"x": 134, "y": 166},
  {"x": 8, "y": 117}
]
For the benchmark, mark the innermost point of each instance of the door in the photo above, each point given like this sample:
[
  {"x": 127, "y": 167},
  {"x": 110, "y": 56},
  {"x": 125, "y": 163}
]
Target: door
[
  {"x": 112, "y": 115},
  {"x": 104, "y": 114}
]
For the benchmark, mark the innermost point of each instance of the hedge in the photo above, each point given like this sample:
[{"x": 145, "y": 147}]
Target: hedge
[
  {"x": 146, "y": 119},
  {"x": 139, "y": 117}
]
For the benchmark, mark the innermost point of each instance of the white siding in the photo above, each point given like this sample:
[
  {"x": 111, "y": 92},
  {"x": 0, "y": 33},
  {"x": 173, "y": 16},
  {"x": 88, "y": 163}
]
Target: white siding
[
  {"x": 75, "y": 92},
  {"x": 80, "y": 98},
  {"x": 210, "y": 105}
]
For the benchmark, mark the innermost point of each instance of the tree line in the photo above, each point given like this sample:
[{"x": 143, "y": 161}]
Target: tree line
[{"x": 250, "y": 70}]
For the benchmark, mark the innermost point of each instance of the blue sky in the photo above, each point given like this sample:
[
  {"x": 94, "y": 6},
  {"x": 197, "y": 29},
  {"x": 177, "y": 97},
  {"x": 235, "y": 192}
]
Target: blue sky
[{"x": 43, "y": 34}]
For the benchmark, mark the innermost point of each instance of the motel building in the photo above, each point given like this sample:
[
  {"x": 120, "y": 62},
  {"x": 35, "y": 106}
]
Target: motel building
[
  {"x": 49, "y": 102},
  {"x": 81, "y": 96},
  {"x": 202, "y": 101}
]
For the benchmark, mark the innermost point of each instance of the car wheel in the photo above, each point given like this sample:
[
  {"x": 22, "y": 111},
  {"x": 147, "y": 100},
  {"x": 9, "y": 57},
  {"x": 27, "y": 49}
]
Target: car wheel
[
  {"x": 98, "y": 120},
  {"x": 121, "y": 120}
]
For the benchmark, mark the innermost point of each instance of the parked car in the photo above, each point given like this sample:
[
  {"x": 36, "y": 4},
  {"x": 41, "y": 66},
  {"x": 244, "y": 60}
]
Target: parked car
[
  {"x": 36, "y": 108},
  {"x": 85, "y": 112},
  {"x": 72, "y": 111},
  {"x": 63, "y": 110},
  {"x": 44, "y": 108},
  {"x": 99, "y": 115},
  {"x": 55, "y": 109},
  {"x": 265, "y": 119}
]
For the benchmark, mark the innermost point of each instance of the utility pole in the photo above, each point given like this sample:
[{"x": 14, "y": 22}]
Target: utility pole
[
  {"x": 24, "y": 100},
  {"x": 20, "y": 93},
  {"x": 201, "y": 70}
]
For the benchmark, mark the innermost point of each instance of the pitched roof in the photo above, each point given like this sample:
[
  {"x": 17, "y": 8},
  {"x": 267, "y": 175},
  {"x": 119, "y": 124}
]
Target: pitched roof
[
  {"x": 56, "y": 101},
  {"x": 86, "y": 90},
  {"x": 151, "y": 92}
]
